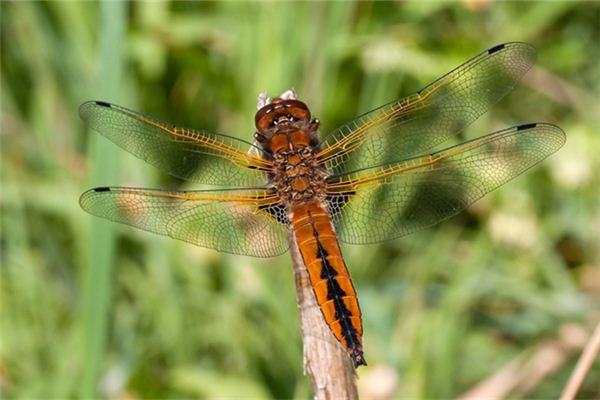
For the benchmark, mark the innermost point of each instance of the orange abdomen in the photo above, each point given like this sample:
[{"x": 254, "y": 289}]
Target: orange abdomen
[{"x": 328, "y": 275}]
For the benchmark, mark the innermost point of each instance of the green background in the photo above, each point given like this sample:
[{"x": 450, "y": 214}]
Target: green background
[{"x": 89, "y": 308}]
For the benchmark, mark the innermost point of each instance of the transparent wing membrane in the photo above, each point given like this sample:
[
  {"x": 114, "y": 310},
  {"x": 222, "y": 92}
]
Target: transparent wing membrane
[
  {"x": 194, "y": 155},
  {"x": 386, "y": 202},
  {"x": 379, "y": 187},
  {"x": 413, "y": 125},
  {"x": 232, "y": 221}
]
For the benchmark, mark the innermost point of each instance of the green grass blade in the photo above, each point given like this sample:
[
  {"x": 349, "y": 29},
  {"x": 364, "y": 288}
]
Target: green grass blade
[{"x": 101, "y": 252}]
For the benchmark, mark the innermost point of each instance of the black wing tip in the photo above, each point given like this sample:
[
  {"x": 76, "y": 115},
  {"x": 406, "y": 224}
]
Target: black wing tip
[
  {"x": 549, "y": 128},
  {"x": 85, "y": 196},
  {"x": 84, "y": 107},
  {"x": 96, "y": 103},
  {"x": 99, "y": 189},
  {"x": 527, "y": 126},
  {"x": 87, "y": 193},
  {"x": 531, "y": 125},
  {"x": 503, "y": 46},
  {"x": 520, "y": 45},
  {"x": 496, "y": 48},
  {"x": 551, "y": 131},
  {"x": 103, "y": 104}
]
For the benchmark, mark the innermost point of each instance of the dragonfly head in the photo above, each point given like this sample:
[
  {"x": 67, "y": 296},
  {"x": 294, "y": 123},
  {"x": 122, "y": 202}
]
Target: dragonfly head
[
  {"x": 280, "y": 111},
  {"x": 282, "y": 115}
]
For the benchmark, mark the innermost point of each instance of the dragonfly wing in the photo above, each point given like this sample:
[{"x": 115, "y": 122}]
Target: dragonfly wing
[
  {"x": 414, "y": 125},
  {"x": 249, "y": 222},
  {"x": 194, "y": 155},
  {"x": 393, "y": 200}
]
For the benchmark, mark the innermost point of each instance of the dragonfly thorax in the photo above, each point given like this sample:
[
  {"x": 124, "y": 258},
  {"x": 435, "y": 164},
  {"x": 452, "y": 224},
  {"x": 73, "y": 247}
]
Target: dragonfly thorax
[{"x": 297, "y": 175}]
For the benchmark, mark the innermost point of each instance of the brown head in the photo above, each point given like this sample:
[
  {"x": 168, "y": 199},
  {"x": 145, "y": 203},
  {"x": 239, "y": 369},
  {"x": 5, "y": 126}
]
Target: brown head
[{"x": 284, "y": 123}]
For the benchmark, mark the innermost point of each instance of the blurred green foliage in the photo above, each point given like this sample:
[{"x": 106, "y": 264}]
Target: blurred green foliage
[{"x": 89, "y": 308}]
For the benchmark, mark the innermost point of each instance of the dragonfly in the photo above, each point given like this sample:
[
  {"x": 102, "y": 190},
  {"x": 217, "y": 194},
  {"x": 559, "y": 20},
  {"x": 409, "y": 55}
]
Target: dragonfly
[{"x": 377, "y": 177}]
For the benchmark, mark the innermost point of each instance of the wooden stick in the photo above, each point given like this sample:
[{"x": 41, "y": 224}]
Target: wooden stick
[
  {"x": 325, "y": 361},
  {"x": 589, "y": 354}
]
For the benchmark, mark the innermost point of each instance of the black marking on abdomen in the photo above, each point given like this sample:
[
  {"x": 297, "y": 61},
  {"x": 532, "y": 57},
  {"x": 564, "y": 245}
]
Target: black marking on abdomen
[{"x": 335, "y": 293}]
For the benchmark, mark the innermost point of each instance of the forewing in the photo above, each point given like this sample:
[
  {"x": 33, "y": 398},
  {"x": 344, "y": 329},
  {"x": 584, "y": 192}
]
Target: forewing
[
  {"x": 386, "y": 202},
  {"x": 233, "y": 221},
  {"x": 194, "y": 155},
  {"x": 411, "y": 126}
]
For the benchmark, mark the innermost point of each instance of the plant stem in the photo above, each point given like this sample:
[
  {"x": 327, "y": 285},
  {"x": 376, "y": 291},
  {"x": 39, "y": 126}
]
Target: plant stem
[
  {"x": 589, "y": 354},
  {"x": 96, "y": 279}
]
